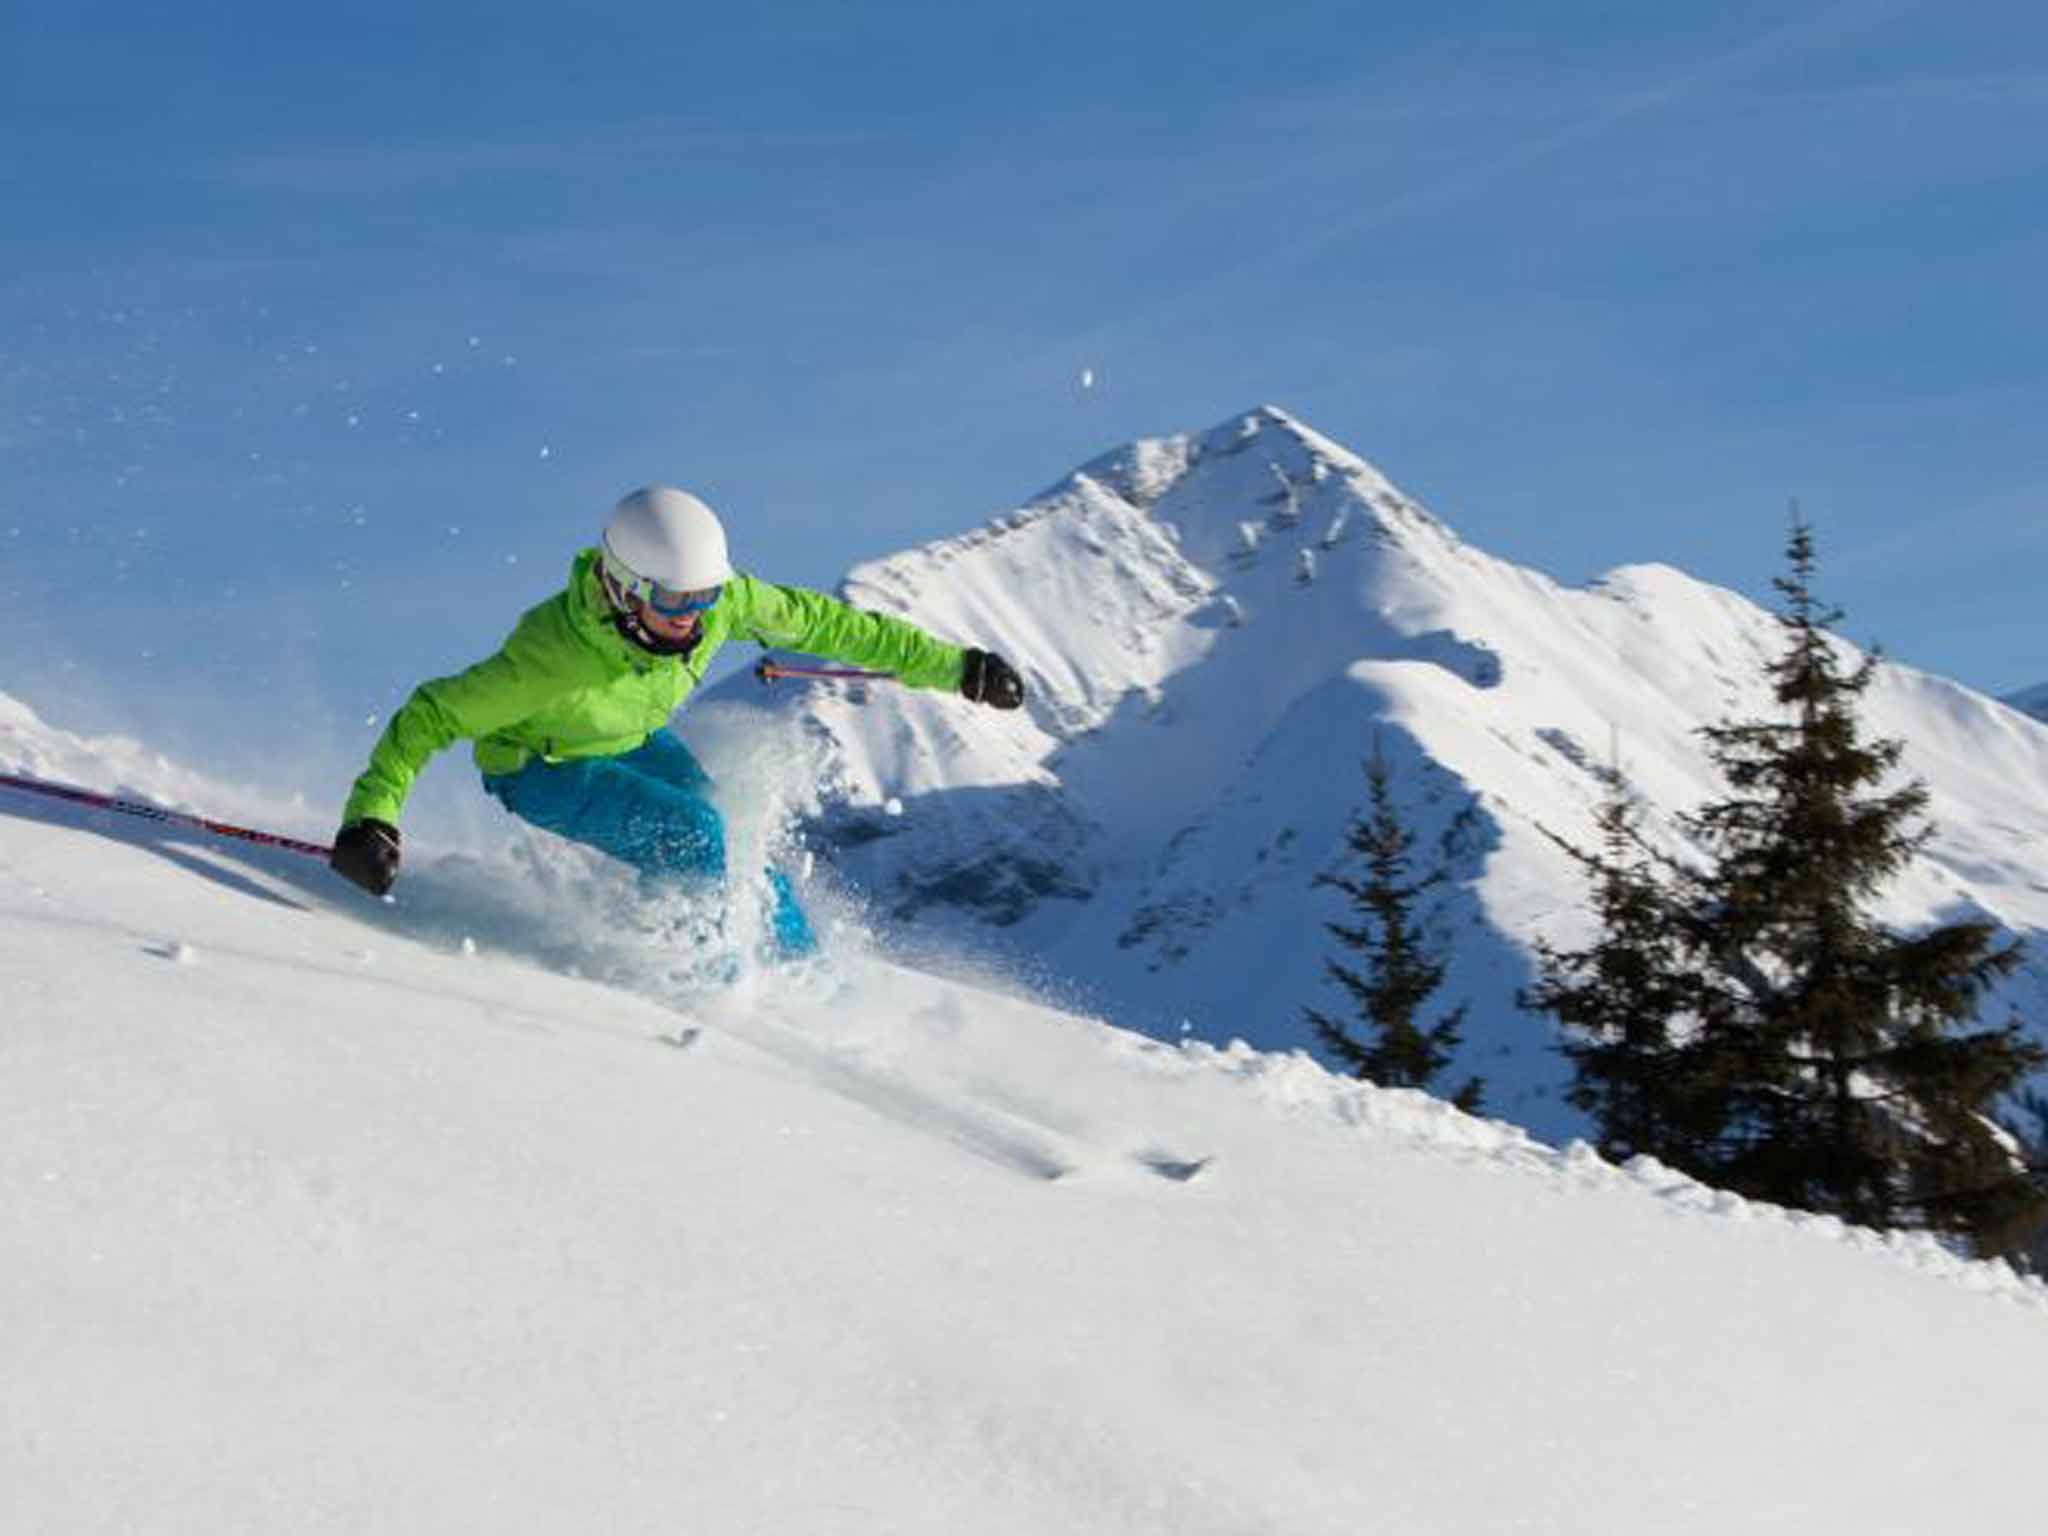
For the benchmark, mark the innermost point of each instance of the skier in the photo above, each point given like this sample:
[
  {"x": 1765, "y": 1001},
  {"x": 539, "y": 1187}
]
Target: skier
[{"x": 568, "y": 717}]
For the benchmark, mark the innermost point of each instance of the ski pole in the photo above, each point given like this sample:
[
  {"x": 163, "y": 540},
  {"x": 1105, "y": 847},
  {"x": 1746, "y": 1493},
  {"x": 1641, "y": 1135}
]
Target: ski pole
[
  {"x": 149, "y": 812},
  {"x": 769, "y": 671}
]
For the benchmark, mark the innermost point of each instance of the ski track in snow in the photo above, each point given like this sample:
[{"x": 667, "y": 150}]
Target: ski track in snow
[{"x": 980, "y": 1116}]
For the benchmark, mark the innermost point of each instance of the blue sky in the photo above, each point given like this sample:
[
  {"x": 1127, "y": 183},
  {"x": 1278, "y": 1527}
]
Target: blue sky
[{"x": 327, "y": 332}]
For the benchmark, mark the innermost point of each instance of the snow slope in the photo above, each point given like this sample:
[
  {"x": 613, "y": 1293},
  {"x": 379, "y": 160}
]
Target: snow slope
[
  {"x": 321, "y": 1214},
  {"x": 1217, "y": 627}
]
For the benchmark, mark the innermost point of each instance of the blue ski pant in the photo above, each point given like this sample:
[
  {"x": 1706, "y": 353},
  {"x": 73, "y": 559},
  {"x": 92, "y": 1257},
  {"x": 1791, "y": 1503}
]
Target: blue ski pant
[{"x": 650, "y": 808}]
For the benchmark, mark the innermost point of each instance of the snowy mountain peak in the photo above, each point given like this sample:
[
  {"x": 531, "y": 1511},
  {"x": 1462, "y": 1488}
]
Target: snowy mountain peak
[
  {"x": 1265, "y": 461},
  {"x": 1217, "y": 629},
  {"x": 1180, "y": 513},
  {"x": 1135, "y": 566}
]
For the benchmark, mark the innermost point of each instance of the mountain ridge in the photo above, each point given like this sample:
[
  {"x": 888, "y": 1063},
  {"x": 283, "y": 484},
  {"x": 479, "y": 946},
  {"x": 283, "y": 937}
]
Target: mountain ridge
[{"x": 1218, "y": 628}]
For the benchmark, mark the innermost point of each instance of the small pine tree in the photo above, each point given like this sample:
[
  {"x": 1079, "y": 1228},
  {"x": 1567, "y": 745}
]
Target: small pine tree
[
  {"x": 1399, "y": 972},
  {"x": 1853, "y": 1083},
  {"x": 1632, "y": 1000}
]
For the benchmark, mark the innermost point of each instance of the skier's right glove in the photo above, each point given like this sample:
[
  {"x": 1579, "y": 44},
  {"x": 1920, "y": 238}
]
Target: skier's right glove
[
  {"x": 367, "y": 852},
  {"x": 988, "y": 679}
]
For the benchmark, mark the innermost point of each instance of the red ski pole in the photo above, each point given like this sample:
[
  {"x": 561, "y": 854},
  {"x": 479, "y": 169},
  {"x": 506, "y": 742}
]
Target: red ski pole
[
  {"x": 769, "y": 671},
  {"x": 98, "y": 801}
]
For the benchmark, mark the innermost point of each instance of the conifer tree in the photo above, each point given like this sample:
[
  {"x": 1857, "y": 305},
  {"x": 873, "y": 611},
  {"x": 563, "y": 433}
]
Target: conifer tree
[
  {"x": 1747, "y": 1019},
  {"x": 1632, "y": 1000},
  {"x": 1856, "y": 1081},
  {"x": 1398, "y": 972}
]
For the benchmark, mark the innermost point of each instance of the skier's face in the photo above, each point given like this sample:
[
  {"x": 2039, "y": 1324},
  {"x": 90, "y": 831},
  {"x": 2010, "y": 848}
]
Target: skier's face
[{"x": 663, "y": 627}]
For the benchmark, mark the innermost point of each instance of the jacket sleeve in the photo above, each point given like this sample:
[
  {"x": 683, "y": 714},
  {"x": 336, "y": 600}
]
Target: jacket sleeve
[
  {"x": 798, "y": 619},
  {"x": 539, "y": 662}
]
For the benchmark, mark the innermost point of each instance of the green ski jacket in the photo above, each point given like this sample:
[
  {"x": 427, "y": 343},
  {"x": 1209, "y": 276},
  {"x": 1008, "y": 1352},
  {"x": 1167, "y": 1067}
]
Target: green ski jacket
[{"x": 567, "y": 684}]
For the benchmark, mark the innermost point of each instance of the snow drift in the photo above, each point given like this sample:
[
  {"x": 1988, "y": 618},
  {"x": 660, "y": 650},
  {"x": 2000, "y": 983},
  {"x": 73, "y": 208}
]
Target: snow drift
[{"x": 317, "y": 1213}]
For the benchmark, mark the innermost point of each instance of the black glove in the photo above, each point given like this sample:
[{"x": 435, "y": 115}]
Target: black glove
[
  {"x": 988, "y": 679},
  {"x": 367, "y": 853}
]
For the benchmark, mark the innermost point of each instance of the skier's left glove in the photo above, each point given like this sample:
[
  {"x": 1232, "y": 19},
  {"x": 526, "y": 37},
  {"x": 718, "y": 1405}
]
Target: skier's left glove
[
  {"x": 366, "y": 852},
  {"x": 988, "y": 679}
]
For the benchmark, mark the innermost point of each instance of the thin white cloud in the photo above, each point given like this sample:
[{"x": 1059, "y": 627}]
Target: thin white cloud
[{"x": 1825, "y": 27}]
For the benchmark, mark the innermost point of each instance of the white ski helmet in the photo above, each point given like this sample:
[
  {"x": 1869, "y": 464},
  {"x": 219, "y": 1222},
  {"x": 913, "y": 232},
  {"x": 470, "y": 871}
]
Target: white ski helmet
[{"x": 666, "y": 548}]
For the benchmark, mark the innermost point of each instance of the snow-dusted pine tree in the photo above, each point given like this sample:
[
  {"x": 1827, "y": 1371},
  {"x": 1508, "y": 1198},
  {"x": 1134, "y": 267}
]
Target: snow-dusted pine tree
[
  {"x": 1631, "y": 1001},
  {"x": 1867, "y": 1089},
  {"x": 1748, "y": 1020},
  {"x": 1398, "y": 971}
]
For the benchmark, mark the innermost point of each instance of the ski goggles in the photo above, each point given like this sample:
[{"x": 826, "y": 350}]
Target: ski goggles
[{"x": 669, "y": 602}]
